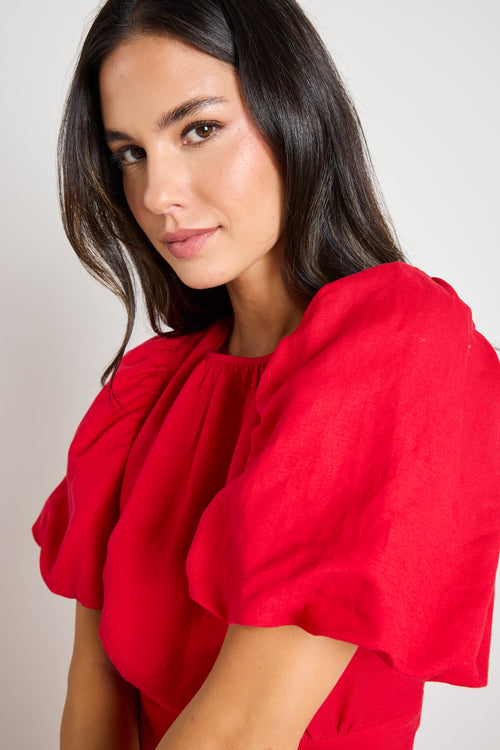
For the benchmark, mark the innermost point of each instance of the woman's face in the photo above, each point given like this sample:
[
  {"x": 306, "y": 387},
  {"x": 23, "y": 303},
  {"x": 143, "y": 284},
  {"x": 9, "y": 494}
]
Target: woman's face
[{"x": 197, "y": 175}]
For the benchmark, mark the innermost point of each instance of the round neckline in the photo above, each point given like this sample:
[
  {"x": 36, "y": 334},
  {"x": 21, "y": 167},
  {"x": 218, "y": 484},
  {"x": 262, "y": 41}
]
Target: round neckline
[
  {"x": 222, "y": 328},
  {"x": 232, "y": 359}
]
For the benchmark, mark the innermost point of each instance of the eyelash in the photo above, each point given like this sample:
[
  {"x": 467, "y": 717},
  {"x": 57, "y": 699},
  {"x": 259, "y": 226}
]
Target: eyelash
[{"x": 117, "y": 158}]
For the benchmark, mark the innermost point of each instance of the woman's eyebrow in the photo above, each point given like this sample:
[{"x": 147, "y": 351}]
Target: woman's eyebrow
[{"x": 190, "y": 107}]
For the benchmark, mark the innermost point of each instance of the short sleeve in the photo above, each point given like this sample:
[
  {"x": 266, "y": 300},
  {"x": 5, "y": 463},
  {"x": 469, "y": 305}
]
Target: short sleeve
[
  {"x": 368, "y": 509},
  {"x": 76, "y": 521}
]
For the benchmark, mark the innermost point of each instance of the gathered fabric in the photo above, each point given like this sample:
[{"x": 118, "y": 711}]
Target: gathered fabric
[{"x": 348, "y": 483}]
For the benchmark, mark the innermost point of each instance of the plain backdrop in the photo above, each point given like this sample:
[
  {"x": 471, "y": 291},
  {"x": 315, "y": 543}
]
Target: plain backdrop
[{"x": 424, "y": 77}]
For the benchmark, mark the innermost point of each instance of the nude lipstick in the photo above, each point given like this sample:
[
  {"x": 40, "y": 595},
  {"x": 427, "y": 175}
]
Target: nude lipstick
[{"x": 184, "y": 243}]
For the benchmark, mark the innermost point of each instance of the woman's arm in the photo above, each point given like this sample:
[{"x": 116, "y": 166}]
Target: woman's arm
[
  {"x": 262, "y": 692},
  {"x": 101, "y": 710}
]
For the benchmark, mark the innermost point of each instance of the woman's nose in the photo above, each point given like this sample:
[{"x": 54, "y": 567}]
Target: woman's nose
[{"x": 166, "y": 186}]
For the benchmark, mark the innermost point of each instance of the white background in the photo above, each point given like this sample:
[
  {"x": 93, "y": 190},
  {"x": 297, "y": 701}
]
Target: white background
[{"x": 424, "y": 77}]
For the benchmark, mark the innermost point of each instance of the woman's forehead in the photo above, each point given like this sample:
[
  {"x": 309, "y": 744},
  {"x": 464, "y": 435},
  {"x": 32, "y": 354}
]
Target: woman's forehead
[
  {"x": 148, "y": 67},
  {"x": 145, "y": 55}
]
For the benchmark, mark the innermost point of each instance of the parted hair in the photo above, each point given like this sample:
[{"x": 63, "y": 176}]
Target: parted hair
[{"x": 335, "y": 221}]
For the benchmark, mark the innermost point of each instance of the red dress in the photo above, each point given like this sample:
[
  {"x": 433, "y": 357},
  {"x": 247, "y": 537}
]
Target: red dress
[{"x": 348, "y": 483}]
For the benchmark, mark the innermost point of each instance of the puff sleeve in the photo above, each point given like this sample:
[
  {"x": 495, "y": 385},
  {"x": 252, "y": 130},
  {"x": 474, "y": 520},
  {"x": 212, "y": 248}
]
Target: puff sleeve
[
  {"x": 78, "y": 518},
  {"x": 368, "y": 509}
]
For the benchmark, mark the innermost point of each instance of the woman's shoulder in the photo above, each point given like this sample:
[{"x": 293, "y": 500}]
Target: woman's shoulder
[
  {"x": 143, "y": 366},
  {"x": 384, "y": 305},
  {"x": 156, "y": 359},
  {"x": 392, "y": 316},
  {"x": 148, "y": 359},
  {"x": 159, "y": 350},
  {"x": 142, "y": 375},
  {"x": 394, "y": 293}
]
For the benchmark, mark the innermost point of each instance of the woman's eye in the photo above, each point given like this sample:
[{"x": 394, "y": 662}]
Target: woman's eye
[
  {"x": 130, "y": 155},
  {"x": 199, "y": 133}
]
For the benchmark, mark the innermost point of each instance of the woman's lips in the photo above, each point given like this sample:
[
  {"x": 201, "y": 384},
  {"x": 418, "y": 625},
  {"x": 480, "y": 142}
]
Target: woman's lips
[{"x": 184, "y": 243}]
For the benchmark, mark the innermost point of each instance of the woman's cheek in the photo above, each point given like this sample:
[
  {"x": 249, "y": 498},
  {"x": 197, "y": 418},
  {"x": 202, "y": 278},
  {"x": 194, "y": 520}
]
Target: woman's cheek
[{"x": 244, "y": 173}]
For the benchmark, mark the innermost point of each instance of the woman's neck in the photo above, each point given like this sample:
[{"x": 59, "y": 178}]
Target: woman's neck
[{"x": 263, "y": 312}]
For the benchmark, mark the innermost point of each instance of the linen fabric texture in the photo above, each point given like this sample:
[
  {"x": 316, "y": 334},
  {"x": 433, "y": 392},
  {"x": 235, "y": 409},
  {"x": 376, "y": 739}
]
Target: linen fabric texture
[{"x": 348, "y": 484}]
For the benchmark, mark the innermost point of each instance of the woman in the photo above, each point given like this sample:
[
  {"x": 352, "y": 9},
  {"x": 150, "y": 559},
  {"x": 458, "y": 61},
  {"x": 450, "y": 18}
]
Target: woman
[{"x": 279, "y": 520}]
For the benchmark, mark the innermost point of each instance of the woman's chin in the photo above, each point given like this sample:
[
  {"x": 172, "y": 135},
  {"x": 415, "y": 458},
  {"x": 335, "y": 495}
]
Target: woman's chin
[{"x": 201, "y": 282}]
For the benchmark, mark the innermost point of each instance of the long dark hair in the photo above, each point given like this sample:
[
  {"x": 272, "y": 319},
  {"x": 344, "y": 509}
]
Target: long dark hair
[{"x": 335, "y": 222}]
